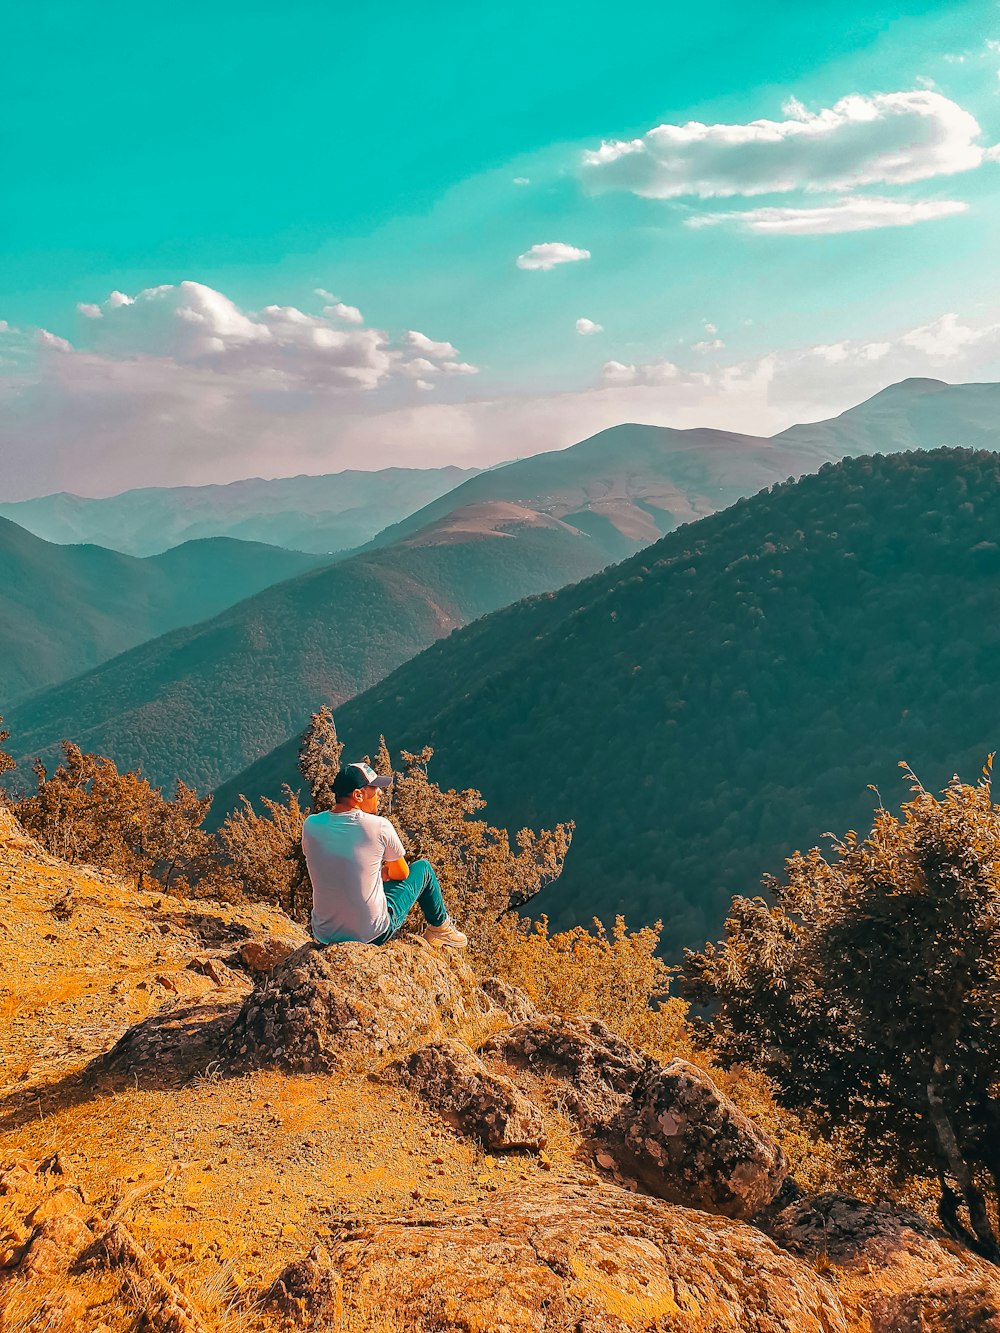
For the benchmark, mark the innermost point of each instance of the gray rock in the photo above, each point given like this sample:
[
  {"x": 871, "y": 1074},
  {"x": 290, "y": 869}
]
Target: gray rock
[
  {"x": 352, "y": 1005},
  {"x": 692, "y": 1145},
  {"x": 461, "y": 1089},
  {"x": 599, "y": 1069},
  {"x": 511, "y": 999}
]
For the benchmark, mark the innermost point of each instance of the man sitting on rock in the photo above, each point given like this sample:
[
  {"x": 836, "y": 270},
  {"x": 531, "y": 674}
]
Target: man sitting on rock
[{"x": 362, "y": 887}]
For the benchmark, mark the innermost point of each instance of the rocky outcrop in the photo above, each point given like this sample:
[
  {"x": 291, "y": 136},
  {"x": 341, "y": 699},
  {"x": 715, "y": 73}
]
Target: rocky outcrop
[
  {"x": 586, "y": 1257},
  {"x": 599, "y": 1069},
  {"x": 511, "y": 999},
  {"x": 692, "y": 1145},
  {"x": 893, "y": 1265},
  {"x": 464, "y": 1093},
  {"x": 309, "y": 1291},
  {"x": 261, "y": 955},
  {"x": 345, "y": 1005},
  {"x": 668, "y": 1125}
]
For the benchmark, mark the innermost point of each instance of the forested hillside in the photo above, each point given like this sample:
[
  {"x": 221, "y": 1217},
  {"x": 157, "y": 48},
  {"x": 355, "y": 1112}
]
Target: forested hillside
[
  {"x": 202, "y": 702},
  {"x": 726, "y": 695},
  {"x": 323, "y": 514},
  {"x": 64, "y": 609}
]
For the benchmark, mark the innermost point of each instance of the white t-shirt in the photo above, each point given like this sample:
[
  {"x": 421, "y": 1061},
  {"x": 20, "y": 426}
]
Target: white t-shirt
[{"x": 344, "y": 853}]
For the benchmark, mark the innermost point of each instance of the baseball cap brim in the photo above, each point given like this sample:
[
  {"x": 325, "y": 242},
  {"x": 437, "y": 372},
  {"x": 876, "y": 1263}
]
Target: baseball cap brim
[{"x": 381, "y": 782}]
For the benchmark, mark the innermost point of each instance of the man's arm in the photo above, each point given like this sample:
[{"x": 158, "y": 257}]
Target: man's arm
[{"x": 395, "y": 869}]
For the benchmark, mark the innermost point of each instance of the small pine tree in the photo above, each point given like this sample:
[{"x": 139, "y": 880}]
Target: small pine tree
[
  {"x": 319, "y": 758},
  {"x": 383, "y": 767},
  {"x": 869, "y": 993},
  {"x": 264, "y": 854}
]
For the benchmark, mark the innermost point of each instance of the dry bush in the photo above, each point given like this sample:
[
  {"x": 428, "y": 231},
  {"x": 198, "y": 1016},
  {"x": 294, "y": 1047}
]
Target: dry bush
[
  {"x": 617, "y": 978},
  {"x": 88, "y": 811},
  {"x": 263, "y": 853},
  {"x": 6, "y": 763}
]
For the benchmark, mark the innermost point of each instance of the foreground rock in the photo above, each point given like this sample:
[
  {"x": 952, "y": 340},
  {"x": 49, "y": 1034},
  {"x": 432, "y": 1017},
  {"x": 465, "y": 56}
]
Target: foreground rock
[
  {"x": 693, "y": 1145},
  {"x": 599, "y": 1069},
  {"x": 893, "y": 1265},
  {"x": 464, "y": 1093},
  {"x": 590, "y": 1258},
  {"x": 668, "y": 1125},
  {"x": 351, "y": 1004}
]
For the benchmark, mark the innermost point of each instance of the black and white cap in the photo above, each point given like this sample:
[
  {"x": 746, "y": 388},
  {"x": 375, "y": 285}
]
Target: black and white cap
[{"x": 352, "y": 777}]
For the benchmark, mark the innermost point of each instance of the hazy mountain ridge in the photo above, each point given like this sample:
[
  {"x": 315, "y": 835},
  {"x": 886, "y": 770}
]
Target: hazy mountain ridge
[
  {"x": 203, "y": 701},
  {"x": 724, "y": 696},
  {"x": 65, "y": 609},
  {"x": 323, "y": 514}
]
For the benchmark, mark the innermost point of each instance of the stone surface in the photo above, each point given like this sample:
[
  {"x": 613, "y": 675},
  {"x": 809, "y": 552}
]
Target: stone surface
[
  {"x": 452, "y": 1080},
  {"x": 893, "y": 1265},
  {"x": 693, "y": 1145},
  {"x": 345, "y": 1005},
  {"x": 583, "y": 1257},
  {"x": 182, "y": 1037},
  {"x": 600, "y": 1069},
  {"x": 260, "y": 955},
  {"x": 511, "y": 999}
]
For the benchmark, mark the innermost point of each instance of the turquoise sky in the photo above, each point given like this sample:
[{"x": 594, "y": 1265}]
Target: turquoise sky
[{"x": 268, "y": 150}]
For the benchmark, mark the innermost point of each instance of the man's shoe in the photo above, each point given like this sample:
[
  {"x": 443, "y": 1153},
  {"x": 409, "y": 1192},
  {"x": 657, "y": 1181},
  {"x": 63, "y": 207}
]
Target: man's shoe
[{"x": 448, "y": 934}]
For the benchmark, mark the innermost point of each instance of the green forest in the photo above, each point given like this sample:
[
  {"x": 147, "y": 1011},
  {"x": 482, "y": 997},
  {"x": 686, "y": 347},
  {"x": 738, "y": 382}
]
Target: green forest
[{"x": 726, "y": 696}]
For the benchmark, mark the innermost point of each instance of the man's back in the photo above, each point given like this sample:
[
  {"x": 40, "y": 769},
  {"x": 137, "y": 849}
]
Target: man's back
[{"x": 344, "y": 853}]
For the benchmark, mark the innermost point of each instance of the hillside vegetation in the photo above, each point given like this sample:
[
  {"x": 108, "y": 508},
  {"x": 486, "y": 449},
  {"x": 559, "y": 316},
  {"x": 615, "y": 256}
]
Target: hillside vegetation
[
  {"x": 202, "y": 702},
  {"x": 323, "y": 514},
  {"x": 65, "y": 609},
  {"x": 724, "y": 697}
]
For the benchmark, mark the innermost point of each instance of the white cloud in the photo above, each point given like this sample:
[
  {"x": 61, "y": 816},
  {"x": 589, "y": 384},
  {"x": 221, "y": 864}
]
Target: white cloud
[
  {"x": 89, "y": 311},
  {"x": 52, "y": 341},
  {"x": 586, "y": 326},
  {"x": 888, "y": 138},
  {"x": 521, "y": 180},
  {"x": 654, "y": 372},
  {"x": 350, "y": 314},
  {"x": 549, "y": 253},
  {"x": 325, "y": 295},
  {"x": 856, "y": 213},
  {"x": 428, "y": 347},
  {"x": 708, "y": 345},
  {"x": 711, "y": 328},
  {"x": 118, "y": 299}
]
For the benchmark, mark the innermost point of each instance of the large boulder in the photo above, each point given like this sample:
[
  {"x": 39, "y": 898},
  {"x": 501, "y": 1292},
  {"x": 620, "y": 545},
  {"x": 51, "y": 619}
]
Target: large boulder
[
  {"x": 693, "y": 1145},
  {"x": 353, "y": 1005},
  {"x": 583, "y": 1257},
  {"x": 892, "y": 1265},
  {"x": 458, "y": 1086}
]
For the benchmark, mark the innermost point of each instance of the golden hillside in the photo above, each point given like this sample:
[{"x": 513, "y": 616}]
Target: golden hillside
[{"x": 169, "y": 1192}]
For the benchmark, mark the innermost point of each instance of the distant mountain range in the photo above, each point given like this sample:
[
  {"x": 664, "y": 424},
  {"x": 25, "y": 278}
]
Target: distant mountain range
[
  {"x": 64, "y": 609},
  {"x": 725, "y": 696},
  {"x": 203, "y": 702},
  {"x": 324, "y": 514}
]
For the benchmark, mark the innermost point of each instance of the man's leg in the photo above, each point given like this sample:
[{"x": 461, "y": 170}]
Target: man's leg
[{"x": 421, "y": 887}]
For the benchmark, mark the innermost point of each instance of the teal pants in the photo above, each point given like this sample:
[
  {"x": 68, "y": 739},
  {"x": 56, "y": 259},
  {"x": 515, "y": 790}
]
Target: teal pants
[{"x": 420, "y": 886}]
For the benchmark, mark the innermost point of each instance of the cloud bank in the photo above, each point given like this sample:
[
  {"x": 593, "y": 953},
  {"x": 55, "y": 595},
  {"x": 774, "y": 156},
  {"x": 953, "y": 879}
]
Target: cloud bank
[
  {"x": 888, "y": 138},
  {"x": 186, "y": 388}
]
